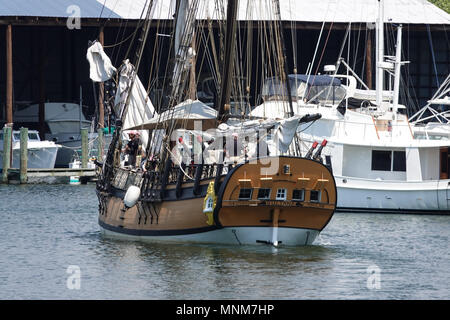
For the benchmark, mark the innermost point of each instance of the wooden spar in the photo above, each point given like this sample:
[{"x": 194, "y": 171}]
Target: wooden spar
[
  {"x": 9, "y": 75},
  {"x": 284, "y": 61},
  {"x": 101, "y": 88},
  {"x": 369, "y": 59},
  {"x": 192, "y": 81},
  {"x": 223, "y": 102}
]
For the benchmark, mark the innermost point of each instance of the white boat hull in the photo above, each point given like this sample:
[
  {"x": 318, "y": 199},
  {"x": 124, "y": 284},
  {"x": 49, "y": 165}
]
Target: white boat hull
[
  {"x": 40, "y": 158},
  {"x": 234, "y": 236},
  {"x": 363, "y": 195}
]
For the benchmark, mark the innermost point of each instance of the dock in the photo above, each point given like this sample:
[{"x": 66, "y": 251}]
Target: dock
[
  {"x": 55, "y": 175},
  {"x": 25, "y": 175}
]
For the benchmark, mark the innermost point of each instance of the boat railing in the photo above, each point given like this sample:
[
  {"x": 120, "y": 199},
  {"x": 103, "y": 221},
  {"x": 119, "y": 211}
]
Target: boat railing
[{"x": 126, "y": 177}]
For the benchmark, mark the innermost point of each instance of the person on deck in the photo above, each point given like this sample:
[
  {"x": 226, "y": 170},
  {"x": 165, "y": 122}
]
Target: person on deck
[{"x": 132, "y": 147}]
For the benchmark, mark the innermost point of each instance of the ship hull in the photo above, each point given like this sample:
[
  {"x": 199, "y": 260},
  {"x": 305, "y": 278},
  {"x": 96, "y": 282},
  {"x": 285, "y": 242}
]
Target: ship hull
[
  {"x": 232, "y": 220},
  {"x": 228, "y": 235}
]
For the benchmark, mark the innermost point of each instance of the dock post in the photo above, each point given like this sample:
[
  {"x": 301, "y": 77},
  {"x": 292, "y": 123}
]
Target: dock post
[
  {"x": 6, "y": 153},
  {"x": 100, "y": 145},
  {"x": 84, "y": 148},
  {"x": 23, "y": 155}
]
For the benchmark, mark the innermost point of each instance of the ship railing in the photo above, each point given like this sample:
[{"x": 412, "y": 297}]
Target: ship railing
[{"x": 126, "y": 177}]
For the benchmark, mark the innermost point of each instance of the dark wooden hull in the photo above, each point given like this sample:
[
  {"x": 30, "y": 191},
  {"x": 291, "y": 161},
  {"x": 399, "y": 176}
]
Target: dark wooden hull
[{"x": 184, "y": 216}]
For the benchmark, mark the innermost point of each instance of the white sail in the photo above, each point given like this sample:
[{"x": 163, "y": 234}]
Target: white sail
[
  {"x": 140, "y": 109},
  {"x": 100, "y": 67}
]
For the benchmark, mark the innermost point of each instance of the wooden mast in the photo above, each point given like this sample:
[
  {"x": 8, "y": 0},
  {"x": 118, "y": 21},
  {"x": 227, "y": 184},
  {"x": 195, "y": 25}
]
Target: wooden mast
[
  {"x": 284, "y": 59},
  {"x": 223, "y": 102},
  {"x": 101, "y": 89}
]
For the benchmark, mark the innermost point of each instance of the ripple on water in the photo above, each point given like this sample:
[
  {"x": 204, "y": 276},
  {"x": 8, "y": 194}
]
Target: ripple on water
[{"x": 46, "y": 228}]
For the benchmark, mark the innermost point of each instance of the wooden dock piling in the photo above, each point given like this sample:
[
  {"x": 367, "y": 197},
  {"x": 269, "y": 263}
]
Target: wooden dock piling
[
  {"x": 84, "y": 148},
  {"x": 7, "y": 131},
  {"x": 23, "y": 155},
  {"x": 100, "y": 144}
]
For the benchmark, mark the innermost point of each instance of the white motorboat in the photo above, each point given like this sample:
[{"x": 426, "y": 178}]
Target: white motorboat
[
  {"x": 378, "y": 164},
  {"x": 41, "y": 154},
  {"x": 64, "y": 121}
]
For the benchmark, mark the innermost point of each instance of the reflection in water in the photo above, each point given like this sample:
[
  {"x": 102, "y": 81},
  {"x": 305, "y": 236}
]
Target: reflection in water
[{"x": 47, "y": 228}]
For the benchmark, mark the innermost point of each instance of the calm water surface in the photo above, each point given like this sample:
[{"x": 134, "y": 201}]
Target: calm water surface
[{"x": 47, "y": 228}]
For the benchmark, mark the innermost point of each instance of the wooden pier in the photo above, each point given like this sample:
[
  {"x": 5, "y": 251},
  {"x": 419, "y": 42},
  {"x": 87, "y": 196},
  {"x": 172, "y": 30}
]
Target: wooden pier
[
  {"x": 24, "y": 175},
  {"x": 55, "y": 175}
]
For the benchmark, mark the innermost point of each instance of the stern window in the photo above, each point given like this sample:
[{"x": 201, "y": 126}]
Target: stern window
[
  {"x": 298, "y": 195},
  {"x": 264, "y": 193},
  {"x": 245, "y": 194},
  {"x": 281, "y": 194},
  {"x": 315, "y": 196}
]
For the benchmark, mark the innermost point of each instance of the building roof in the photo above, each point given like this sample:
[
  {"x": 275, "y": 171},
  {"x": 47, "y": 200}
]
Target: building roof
[{"x": 339, "y": 11}]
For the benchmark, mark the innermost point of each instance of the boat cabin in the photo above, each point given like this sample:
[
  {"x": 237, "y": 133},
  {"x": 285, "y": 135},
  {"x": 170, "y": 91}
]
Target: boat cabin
[
  {"x": 319, "y": 89},
  {"x": 33, "y": 135}
]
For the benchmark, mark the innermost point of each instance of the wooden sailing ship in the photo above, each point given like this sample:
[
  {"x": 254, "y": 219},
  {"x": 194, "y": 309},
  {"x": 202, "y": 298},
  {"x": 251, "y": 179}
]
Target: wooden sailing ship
[{"x": 256, "y": 196}]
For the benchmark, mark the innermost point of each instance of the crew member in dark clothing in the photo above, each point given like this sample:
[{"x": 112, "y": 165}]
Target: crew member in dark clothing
[{"x": 132, "y": 148}]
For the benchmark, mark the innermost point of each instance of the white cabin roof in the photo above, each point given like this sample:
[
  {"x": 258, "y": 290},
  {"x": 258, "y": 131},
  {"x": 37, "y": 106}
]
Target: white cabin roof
[{"x": 342, "y": 11}]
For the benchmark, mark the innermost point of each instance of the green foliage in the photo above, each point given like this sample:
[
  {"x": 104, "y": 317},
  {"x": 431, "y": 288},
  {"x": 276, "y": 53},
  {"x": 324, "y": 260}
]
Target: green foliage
[{"x": 443, "y": 4}]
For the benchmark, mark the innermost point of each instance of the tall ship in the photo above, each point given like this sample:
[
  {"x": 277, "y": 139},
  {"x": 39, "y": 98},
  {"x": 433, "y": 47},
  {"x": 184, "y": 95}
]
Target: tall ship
[{"x": 206, "y": 174}]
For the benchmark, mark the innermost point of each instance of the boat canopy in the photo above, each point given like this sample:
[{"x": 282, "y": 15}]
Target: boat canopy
[
  {"x": 184, "y": 114},
  {"x": 317, "y": 80},
  {"x": 274, "y": 86}
]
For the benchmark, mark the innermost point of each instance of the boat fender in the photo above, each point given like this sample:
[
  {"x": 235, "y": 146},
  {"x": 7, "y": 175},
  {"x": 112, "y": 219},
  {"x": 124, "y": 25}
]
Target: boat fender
[{"x": 131, "y": 196}]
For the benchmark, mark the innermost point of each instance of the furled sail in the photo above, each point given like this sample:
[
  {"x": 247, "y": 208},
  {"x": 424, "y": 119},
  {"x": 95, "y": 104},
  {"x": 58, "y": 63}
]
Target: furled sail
[
  {"x": 100, "y": 67},
  {"x": 140, "y": 109}
]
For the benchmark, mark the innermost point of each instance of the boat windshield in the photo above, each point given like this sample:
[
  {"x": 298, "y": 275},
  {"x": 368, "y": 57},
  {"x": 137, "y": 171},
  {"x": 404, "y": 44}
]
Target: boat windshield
[
  {"x": 325, "y": 95},
  {"x": 324, "y": 90},
  {"x": 33, "y": 136}
]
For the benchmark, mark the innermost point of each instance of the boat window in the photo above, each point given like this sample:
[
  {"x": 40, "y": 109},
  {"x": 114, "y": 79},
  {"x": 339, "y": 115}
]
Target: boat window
[
  {"x": 326, "y": 94},
  {"x": 264, "y": 193},
  {"x": 298, "y": 195},
  {"x": 381, "y": 160},
  {"x": 399, "y": 161},
  {"x": 281, "y": 194},
  {"x": 33, "y": 136},
  {"x": 245, "y": 194},
  {"x": 315, "y": 196},
  {"x": 1, "y": 136},
  {"x": 17, "y": 136}
]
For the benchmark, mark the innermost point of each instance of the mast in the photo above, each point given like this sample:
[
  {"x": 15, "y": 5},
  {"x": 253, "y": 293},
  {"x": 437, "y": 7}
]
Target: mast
[
  {"x": 398, "y": 63},
  {"x": 380, "y": 52},
  {"x": 123, "y": 106},
  {"x": 223, "y": 102},
  {"x": 284, "y": 61}
]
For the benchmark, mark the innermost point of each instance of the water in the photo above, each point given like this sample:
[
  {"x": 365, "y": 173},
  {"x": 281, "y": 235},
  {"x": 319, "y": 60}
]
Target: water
[{"x": 47, "y": 228}]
